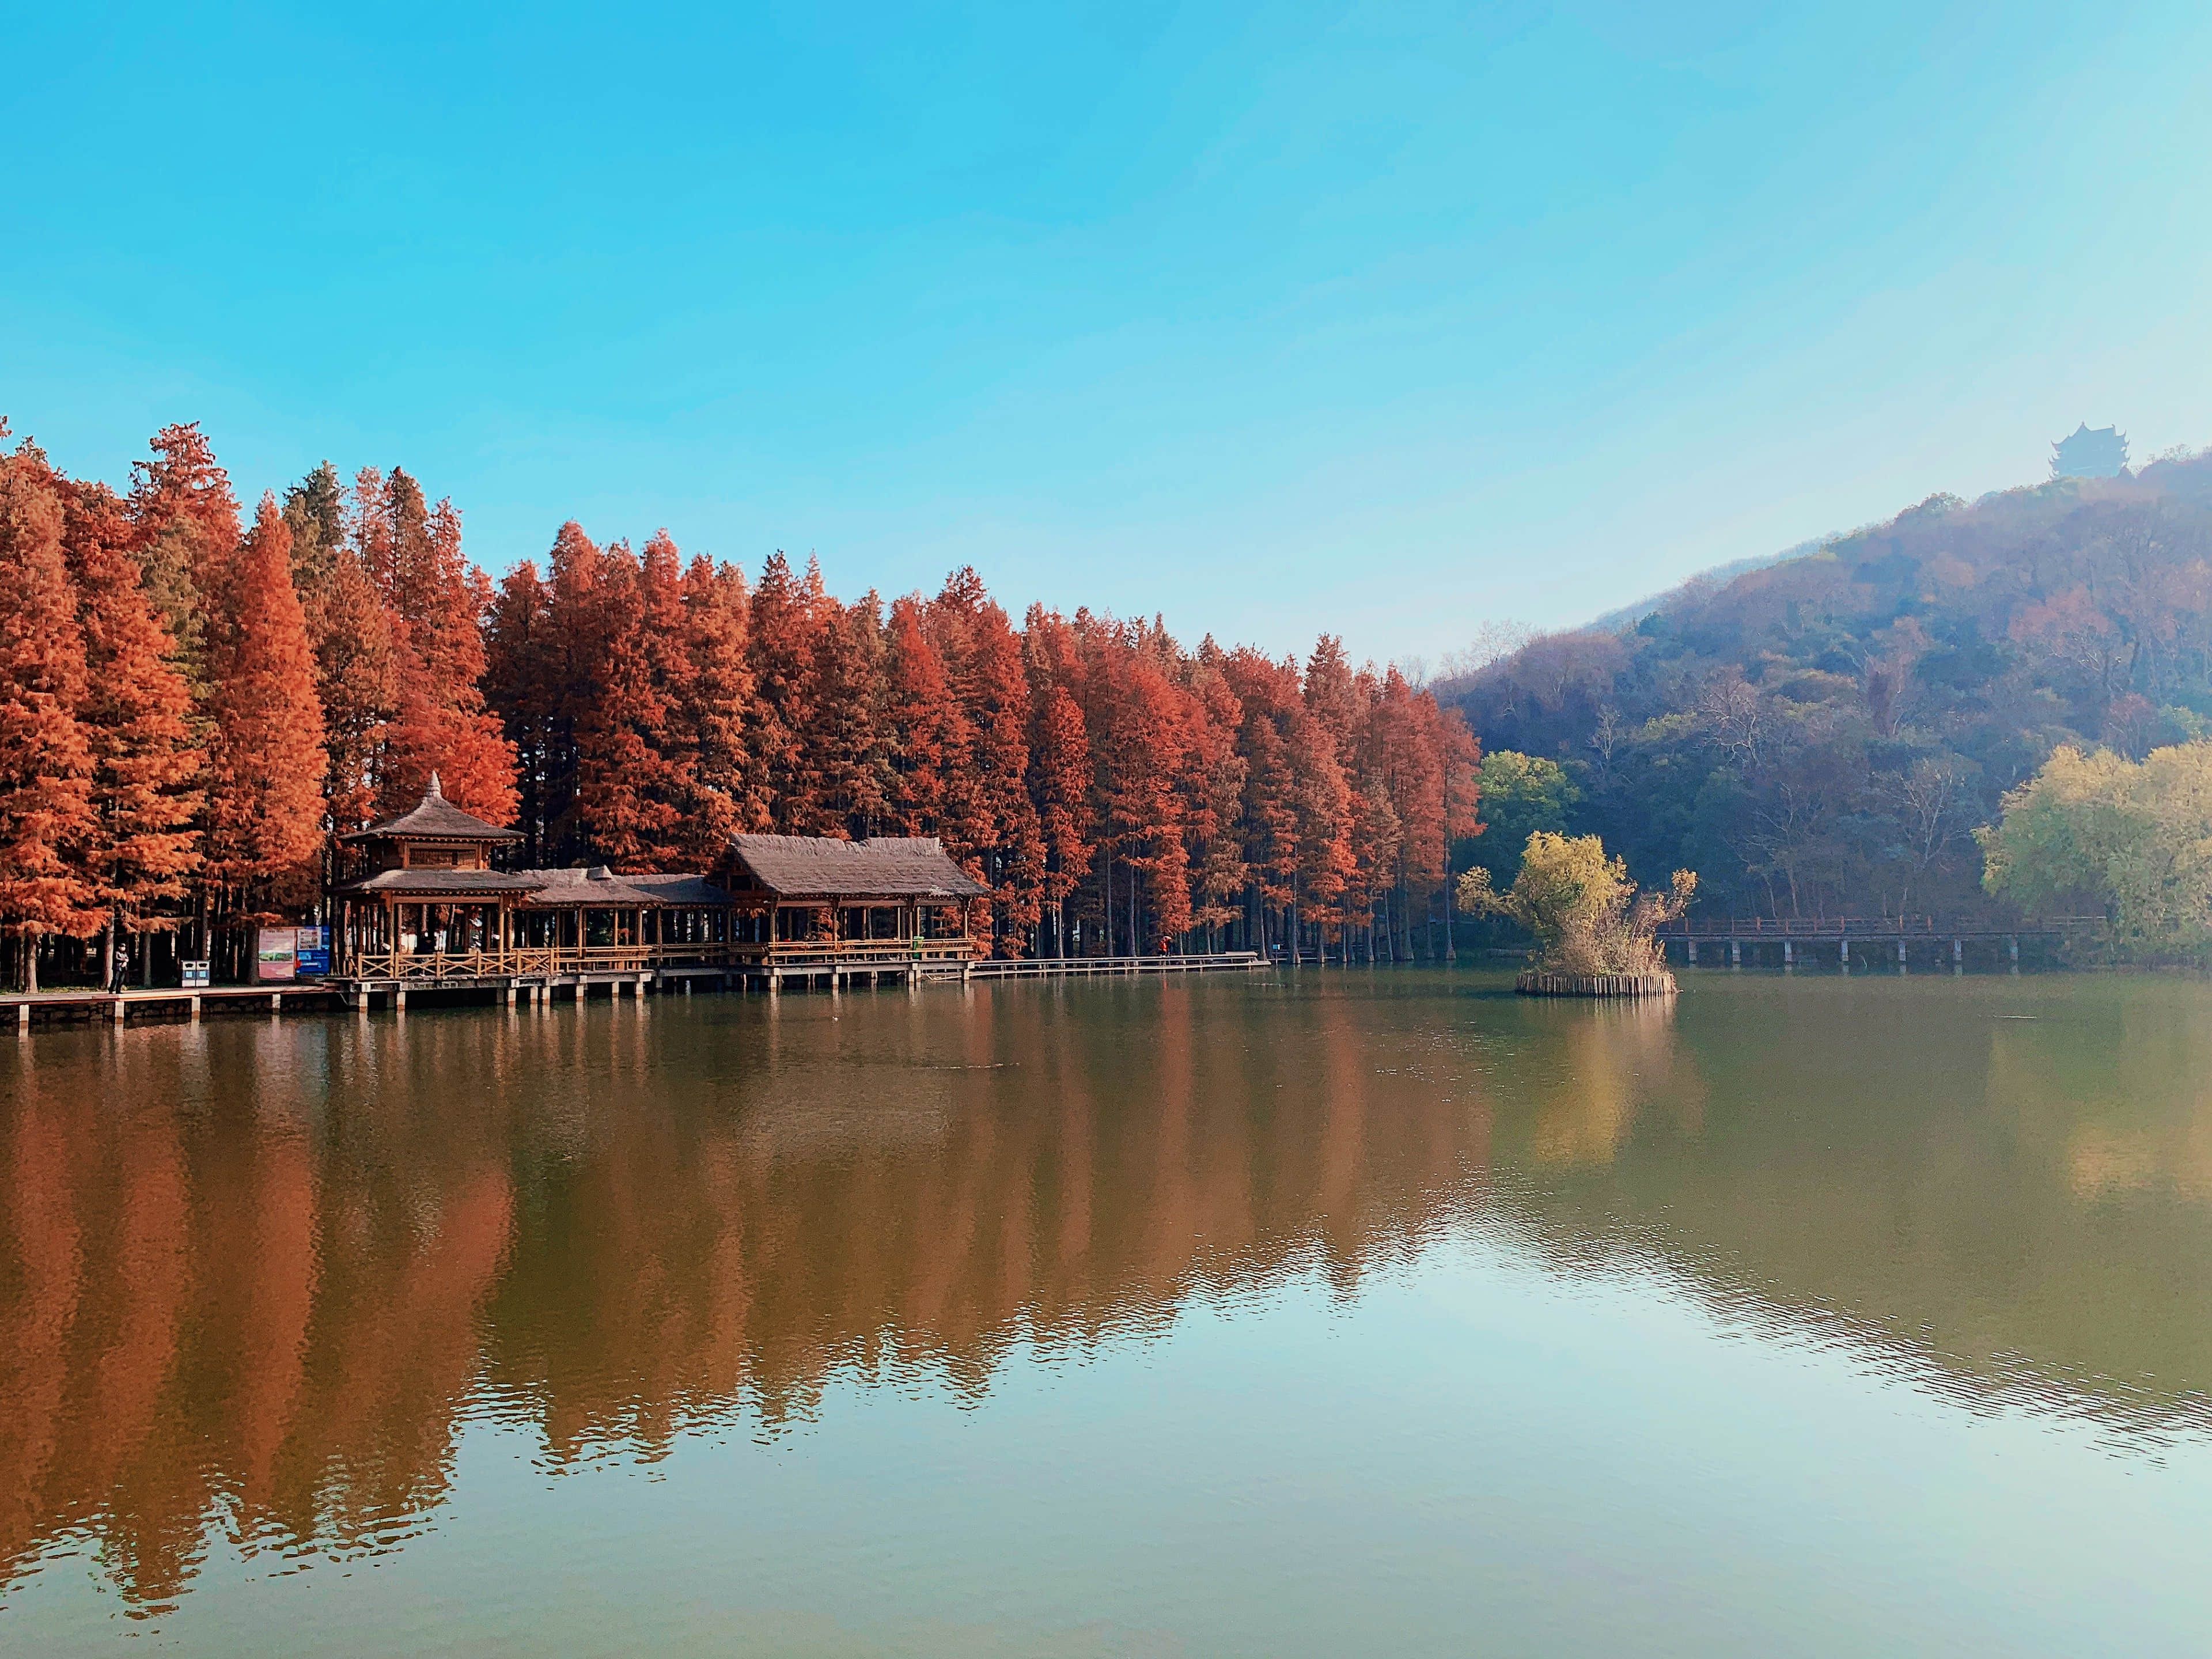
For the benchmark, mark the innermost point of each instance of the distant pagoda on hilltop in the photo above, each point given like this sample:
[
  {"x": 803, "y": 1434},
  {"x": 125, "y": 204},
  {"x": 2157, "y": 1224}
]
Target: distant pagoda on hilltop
[{"x": 2091, "y": 452}]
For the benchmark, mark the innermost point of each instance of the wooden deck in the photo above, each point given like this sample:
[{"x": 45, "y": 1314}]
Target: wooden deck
[
  {"x": 526, "y": 977},
  {"x": 72, "y": 1007}
]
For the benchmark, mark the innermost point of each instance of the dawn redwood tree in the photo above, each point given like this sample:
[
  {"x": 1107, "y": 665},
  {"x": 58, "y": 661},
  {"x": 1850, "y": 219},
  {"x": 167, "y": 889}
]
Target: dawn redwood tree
[
  {"x": 265, "y": 757},
  {"x": 1268, "y": 691},
  {"x": 1215, "y": 788},
  {"x": 521, "y": 668},
  {"x": 437, "y": 605},
  {"x": 842, "y": 784},
  {"x": 1141, "y": 752},
  {"x": 47, "y": 816},
  {"x": 144, "y": 840},
  {"x": 928, "y": 737},
  {"x": 1060, "y": 784},
  {"x": 990, "y": 817},
  {"x": 577, "y": 657},
  {"x": 627, "y": 787},
  {"x": 713, "y": 715},
  {"x": 186, "y": 527},
  {"x": 350, "y": 630},
  {"x": 785, "y": 618}
]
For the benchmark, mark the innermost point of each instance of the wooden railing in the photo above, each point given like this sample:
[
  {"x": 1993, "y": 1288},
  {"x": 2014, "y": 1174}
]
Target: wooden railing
[
  {"x": 852, "y": 952},
  {"x": 554, "y": 962},
  {"x": 1864, "y": 927}
]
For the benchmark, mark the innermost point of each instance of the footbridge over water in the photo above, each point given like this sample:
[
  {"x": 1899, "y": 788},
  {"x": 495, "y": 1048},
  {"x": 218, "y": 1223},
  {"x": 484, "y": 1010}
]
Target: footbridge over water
[{"x": 1791, "y": 939}]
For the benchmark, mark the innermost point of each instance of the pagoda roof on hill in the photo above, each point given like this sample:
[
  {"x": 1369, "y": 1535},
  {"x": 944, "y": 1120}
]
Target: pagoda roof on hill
[
  {"x": 883, "y": 866},
  {"x": 434, "y": 818}
]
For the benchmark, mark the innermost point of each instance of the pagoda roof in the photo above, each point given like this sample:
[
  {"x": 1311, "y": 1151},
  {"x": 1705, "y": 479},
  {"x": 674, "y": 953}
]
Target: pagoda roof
[
  {"x": 434, "y": 818},
  {"x": 595, "y": 886},
  {"x": 887, "y": 866}
]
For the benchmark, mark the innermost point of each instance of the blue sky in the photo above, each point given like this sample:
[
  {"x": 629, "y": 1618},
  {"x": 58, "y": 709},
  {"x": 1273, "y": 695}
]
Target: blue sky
[{"x": 1382, "y": 320}]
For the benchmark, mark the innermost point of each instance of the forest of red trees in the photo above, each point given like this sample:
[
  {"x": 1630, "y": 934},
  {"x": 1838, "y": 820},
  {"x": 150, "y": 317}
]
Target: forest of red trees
[{"x": 193, "y": 706}]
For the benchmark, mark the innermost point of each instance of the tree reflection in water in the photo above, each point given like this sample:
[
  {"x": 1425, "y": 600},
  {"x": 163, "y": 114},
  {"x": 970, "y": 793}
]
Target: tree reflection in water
[{"x": 253, "y": 1277}]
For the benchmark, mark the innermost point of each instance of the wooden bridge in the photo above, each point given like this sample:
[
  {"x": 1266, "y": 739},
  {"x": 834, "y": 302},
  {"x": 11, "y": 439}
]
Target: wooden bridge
[
  {"x": 1792, "y": 939},
  {"x": 535, "y": 978}
]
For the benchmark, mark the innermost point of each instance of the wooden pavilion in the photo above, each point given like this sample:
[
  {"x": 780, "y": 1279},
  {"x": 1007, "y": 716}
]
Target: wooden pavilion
[
  {"x": 424, "y": 905},
  {"x": 803, "y": 901}
]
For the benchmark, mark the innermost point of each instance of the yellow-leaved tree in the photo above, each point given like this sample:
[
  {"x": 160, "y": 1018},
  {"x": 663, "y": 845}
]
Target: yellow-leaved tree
[
  {"x": 1585, "y": 911},
  {"x": 2133, "y": 838}
]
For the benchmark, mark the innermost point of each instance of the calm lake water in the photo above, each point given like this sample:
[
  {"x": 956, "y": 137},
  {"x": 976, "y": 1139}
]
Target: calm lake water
[{"x": 1326, "y": 1314}]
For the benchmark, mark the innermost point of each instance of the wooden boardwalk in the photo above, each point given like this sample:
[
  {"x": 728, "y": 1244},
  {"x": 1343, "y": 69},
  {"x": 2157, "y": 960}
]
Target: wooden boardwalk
[
  {"x": 1792, "y": 939},
  {"x": 56, "y": 1008},
  {"x": 71, "y": 1007}
]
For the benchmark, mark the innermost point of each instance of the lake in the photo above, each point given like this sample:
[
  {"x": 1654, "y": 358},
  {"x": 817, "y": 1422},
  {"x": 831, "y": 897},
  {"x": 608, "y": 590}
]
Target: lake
[{"x": 1319, "y": 1312}]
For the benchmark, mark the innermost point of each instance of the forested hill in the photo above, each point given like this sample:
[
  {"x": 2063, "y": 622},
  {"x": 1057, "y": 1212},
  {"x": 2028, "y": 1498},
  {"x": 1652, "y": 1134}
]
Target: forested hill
[{"x": 1825, "y": 733}]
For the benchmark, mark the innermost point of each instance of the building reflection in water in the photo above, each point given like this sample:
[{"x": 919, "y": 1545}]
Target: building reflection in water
[{"x": 253, "y": 1277}]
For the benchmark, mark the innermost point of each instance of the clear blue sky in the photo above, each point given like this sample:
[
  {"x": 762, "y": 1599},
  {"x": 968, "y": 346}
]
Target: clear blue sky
[{"x": 1382, "y": 320}]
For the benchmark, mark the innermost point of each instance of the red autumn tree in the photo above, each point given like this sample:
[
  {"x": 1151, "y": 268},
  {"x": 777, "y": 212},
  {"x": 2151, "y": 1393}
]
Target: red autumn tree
[
  {"x": 842, "y": 784},
  {"x": 1060, "y": 783},
  {"x": 146, "y": 757},
  {"x": 265, "y": 759},
  {"x": 785, "y": 618},
  {"x": 1215, "y": 785},
  {"x": 521, "y": 685},
  {"x": 628, "y": 787},
  {"x": 186, "y": 527},
  {"x": 929, "y": 737},
  {"x": 991, "y": 820},
  {"x": 728, "y": 793},
  {"x": 437, "y": 607},
  {"x": 350, "y": 632},
  {"x": 48, "y": 818}
]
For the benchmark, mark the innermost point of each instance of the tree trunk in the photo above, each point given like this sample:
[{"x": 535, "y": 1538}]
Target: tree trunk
[{"x": 30, "y": 964}]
